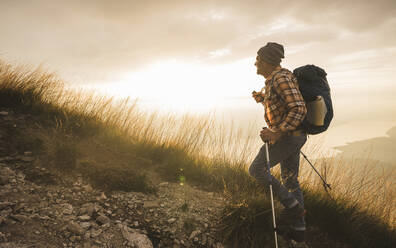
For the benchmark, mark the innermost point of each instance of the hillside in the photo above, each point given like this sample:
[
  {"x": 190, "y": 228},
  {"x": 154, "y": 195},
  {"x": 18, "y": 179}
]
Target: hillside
[
  {"x": 82, "y": 170},
  {"x": 44, "y": 207}
]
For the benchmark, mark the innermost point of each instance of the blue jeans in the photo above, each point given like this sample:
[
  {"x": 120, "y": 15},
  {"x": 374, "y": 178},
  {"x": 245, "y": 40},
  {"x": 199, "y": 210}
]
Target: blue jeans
[{"x": 285, "y": 151}]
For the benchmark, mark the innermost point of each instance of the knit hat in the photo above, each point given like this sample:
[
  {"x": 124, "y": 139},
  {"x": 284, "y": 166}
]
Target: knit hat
[{"x": 271, "y": 53}]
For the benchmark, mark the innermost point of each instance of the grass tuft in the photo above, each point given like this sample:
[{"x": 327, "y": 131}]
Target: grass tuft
[{"x": 247, "y": 223}]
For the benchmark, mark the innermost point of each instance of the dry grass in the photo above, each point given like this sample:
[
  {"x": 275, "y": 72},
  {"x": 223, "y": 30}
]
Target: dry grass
[{"x": 208, "y": 152}]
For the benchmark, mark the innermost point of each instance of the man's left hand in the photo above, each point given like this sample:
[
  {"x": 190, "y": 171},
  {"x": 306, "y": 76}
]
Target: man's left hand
[{"x": 269, "y": 135}]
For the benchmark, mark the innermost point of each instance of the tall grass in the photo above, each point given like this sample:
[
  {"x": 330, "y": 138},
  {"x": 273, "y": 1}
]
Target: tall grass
[{"x": 211, "y": 154}]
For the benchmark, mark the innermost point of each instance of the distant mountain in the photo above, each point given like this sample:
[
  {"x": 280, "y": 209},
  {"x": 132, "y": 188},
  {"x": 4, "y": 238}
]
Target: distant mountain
[{"x": 379, "y": 148}]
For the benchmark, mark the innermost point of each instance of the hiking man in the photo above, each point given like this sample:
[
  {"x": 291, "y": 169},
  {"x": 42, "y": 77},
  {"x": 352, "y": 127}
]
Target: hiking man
[{"x": 284, "y": 112}]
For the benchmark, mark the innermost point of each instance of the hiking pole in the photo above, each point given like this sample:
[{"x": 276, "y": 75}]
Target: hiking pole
[
  {"x": 270, "y": 186},
  {"x": 325, "y": 184}
]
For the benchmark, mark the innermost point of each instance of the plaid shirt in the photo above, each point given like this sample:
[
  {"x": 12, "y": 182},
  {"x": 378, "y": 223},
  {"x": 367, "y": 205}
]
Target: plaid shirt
[{"x": 284, "y": 106}]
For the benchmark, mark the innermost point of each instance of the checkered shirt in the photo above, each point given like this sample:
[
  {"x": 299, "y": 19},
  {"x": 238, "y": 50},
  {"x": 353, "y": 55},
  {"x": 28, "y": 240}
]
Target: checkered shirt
[{"x": 284, "y": 106}]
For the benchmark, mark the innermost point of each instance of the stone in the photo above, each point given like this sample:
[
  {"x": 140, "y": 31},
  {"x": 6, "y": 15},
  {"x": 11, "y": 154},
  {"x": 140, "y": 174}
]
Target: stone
[
  {"x": 171, "y": 220},
  {"x": 163, "y": 184},
  {"x": 2, "y": 219},
  {"x": 88, "y": 188},
  {"x": 28, "y": 153},
  {"x": 27, "y": 159},
  {"x": 4, "y": 180},
  {"x": 3, "y": 113},
  {"x": 85, "y": 225},
  {"x": 5, "y": 171},
  {"x": 219, "y": 245},
  {"x": 75, "y": 228},
  {"x": 87, "y": 209},
  {"x": 4, "y": 205},
  {"x": 67, "y": 209},
  {"x": 96, "y": 233},
  {"x": 194, "y": 234},
  {"x": 101, "y": 219},
  {"x": 87, "y": 244},
  {"x": 134, "y": 238},
  {"x": 84, "y": 217},
  {"x": 150, "y": 204},
  {"x": 20, "y": 217},
  {"x": 102, "y": 197}
]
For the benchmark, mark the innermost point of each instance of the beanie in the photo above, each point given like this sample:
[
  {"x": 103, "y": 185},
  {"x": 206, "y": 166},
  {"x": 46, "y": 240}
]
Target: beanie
[{"x": 271, "y": 53}]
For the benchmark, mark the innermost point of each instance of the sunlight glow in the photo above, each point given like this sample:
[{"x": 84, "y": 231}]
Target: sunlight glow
[{"x": 178, "y": 85}]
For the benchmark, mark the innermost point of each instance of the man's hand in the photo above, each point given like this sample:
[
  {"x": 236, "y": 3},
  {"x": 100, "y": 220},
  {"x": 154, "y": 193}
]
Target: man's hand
[
  {"x": 258, "y": 97},
  {"x": 269, "y": 135}
]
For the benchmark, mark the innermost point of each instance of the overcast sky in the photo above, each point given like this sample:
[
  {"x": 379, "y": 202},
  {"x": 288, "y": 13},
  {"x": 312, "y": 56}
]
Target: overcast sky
[
  {"x": 95, "y": 37},
  {"x": 111, "y": 42}
]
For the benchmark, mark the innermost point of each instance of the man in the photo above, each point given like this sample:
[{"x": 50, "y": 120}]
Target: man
[{"x": 284, "y": 112}]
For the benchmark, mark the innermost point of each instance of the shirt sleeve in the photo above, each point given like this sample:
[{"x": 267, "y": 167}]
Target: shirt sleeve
[{"x": 287, "y": 89}]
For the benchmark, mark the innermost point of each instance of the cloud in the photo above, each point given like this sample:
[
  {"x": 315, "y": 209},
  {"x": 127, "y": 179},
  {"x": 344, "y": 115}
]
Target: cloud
[{"x": 100, "y": 35}]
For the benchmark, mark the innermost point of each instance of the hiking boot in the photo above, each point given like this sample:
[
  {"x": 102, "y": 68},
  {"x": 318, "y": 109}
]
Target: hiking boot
[
  {"x": 288, "y": 215},
  {"x": 296, "y": 235},
  {"x": 295, "y": 244},
  {"x": 290, "y": 233}
]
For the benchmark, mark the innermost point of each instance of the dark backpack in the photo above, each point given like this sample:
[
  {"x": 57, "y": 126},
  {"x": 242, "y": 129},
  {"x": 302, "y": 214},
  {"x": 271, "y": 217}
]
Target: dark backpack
[{"x": 313, "y": 83}]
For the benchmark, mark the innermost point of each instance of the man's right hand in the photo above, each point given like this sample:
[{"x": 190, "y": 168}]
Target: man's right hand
[{"x": 258, "y": 97}]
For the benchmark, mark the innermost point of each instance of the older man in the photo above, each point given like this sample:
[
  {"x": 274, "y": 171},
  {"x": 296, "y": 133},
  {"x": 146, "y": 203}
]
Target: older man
[{"x": 284, "y": 112}]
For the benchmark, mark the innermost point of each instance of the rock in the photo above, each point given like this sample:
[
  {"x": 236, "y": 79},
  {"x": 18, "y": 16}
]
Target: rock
[
  {"x": 134, "y": 238},
  {"x": 75, "y": 228},
  {"x": 96, "y": 233},
  {"x": 102, "y": 219},
  {"x": 20, "y": 217},
  {"x": 151, "y": 204},
  {"x": 84, "y": 217},
  {"x": 27, "y": 159},
  {"x": 85, "y": 225},
  {"x": 163, "y": 184},
  {"x": 4, "y": 205},
  {"x": 194, "y": 234},
  {"x": 13, "y": 245},
  {"x": 4, "y": 180},
  {"x": 28, "y": 153},
  {"x": 5, "y": 171},
  {"x": 87, "y": 244},
  {"x": 6, "y": 159},
  {"x": 102, "y": 197},
  {"x": 219, "y": 245},
  {"x": 87, "y": 209},
  {"x": 67, "y": 209},
  {"x": 171, "y": 220},
  {"x": 2, "y": 219},
  {"x": 3, "y": 113},
  {"x": 87, "y": 188}
]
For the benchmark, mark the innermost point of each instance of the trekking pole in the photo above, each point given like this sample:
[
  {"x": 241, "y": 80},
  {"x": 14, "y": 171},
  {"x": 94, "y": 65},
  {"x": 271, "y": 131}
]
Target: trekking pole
[
  {"x": 325, "y": 184},
  {"x": 270, "y": 186}
]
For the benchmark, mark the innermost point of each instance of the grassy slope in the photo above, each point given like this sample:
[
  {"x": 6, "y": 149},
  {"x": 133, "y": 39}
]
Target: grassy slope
[{"x": 110, "y": 141}]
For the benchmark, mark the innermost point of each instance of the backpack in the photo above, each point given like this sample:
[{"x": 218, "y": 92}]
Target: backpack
[{"x": 316, "y": 91}]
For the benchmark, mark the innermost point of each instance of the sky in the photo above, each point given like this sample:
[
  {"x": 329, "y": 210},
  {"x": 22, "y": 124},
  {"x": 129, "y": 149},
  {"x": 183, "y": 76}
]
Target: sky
[{"x": 177, "y": 53}]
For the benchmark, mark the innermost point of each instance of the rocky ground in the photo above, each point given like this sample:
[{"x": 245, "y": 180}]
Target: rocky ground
[{"x": 43, "y": 208}]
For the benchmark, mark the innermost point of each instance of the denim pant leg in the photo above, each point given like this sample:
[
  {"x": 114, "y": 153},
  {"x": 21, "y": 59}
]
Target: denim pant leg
[
  {"x": 289, "y": 174},
  {"x": 278, "y": 152}
]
